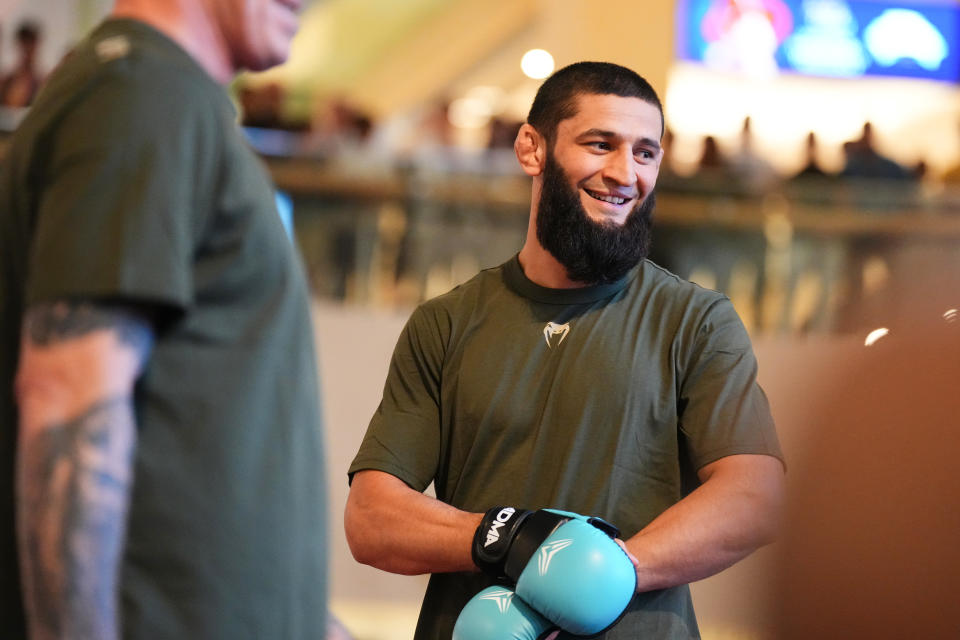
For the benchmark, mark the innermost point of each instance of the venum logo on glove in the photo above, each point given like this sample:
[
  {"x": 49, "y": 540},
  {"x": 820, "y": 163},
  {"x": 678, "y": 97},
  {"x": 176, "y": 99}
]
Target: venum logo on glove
[
  {"x": 546, "y": 553},
  {"x": 493, "y": 534},
  {"x": 501, "y": 597}
]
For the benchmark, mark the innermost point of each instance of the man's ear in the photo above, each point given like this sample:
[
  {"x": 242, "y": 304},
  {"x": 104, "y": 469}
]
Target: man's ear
[{"x": 531, "y": 150}]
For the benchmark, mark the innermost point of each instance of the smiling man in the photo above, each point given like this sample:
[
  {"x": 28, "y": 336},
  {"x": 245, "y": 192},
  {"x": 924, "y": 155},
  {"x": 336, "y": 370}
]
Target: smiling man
[
  {"x": 577, "y": 376},
  {"x": 158, "y": 391}
]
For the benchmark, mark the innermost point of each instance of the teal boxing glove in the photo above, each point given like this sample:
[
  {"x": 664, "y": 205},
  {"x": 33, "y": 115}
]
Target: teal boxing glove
[
  {"x": 566, "y": 566},
  {"x": 496, "y": 613}
]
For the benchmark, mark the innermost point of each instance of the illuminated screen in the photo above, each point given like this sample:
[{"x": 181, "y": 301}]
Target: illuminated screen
[{"x": 840, "y": 38}]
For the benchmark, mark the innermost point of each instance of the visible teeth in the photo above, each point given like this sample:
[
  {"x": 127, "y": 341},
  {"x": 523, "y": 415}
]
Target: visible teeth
[{"x": 610, "y": 199}]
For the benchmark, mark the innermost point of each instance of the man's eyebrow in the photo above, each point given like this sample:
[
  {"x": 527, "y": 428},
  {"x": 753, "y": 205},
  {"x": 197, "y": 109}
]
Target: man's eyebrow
[
  {"x": 604, "y": 133},
  {"x": 649, "y": 142},
  {"x": 598, "y": 133}
]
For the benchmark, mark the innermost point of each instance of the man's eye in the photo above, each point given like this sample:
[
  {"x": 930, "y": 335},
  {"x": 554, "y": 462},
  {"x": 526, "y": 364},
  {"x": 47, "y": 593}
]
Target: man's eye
[
  {"x": 600, "y": 144},
  {"x": 645, "y": 154}
]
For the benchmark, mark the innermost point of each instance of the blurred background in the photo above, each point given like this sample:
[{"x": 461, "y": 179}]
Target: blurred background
[{"x": 812, "y": 173}]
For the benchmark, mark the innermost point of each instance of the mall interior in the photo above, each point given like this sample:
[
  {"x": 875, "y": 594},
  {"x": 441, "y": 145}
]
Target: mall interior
[{"x": 811, "y": 173}]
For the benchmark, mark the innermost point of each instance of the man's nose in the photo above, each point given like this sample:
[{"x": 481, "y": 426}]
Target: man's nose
[{"x": 620, "y": 167}]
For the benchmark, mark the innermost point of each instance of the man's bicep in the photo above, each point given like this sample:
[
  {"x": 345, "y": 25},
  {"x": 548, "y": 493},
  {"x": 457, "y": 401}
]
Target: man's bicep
[
  {"x": 376, "y": 485},
  {"x": 763, "y": 468}
]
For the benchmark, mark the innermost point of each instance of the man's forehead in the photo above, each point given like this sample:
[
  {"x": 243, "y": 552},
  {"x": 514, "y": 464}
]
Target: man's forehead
[{"x": 626, "y": 116}]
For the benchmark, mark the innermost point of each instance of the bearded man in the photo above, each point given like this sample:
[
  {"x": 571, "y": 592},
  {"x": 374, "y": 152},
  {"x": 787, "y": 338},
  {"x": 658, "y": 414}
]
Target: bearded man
[{"x": 577, "y": 376}]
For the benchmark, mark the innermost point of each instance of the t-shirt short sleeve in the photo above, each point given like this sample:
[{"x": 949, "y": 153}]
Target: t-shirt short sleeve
[
  {"x": 403, "y": 438},
  {"x": 119, "y": 211},
  {"x": 723, "y": 411}
]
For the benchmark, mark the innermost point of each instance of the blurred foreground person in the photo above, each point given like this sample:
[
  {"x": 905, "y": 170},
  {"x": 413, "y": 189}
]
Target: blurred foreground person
[
  {"x": 169, "y": 467},
  {"x": 869, "y": 548}
]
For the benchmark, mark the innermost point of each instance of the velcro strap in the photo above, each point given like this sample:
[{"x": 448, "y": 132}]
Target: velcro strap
[
  {"x": 608, "y": 528},
  {"x": 493, "y": 538},
  {"x": 536, "y": 529}
]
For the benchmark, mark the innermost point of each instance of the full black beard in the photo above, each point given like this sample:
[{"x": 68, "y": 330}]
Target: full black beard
[{"x": 592, "y": 252}]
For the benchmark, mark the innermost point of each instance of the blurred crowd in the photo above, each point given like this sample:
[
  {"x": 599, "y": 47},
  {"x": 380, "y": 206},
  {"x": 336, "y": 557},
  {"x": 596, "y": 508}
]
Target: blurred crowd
[
  {"x": 748, "y": 167},
  {"x": 343, "y": 133},
  {"x": 862, "y": 160},
  {"x": 338, "y": 132}
]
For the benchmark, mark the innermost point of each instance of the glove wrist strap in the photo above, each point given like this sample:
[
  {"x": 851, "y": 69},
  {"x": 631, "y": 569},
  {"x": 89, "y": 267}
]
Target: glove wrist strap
[{"x": 494, "y": 536}]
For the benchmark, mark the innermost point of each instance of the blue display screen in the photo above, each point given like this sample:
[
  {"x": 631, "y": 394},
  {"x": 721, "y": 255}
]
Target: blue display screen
[{"x": 839, "y": 38}]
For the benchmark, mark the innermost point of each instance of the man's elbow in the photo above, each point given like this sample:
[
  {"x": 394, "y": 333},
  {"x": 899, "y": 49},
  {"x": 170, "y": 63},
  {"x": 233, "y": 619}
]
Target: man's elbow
[
  {"x": 370, "y": 541},
  {"x": 769, "y": 508},
  {"x": 366, "y": 535},
  {"x": 357, "y": 530}
]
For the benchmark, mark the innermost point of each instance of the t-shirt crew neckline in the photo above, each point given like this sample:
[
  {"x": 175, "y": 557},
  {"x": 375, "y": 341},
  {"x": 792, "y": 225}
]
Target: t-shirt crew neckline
[{"x": 516, "y": 279}]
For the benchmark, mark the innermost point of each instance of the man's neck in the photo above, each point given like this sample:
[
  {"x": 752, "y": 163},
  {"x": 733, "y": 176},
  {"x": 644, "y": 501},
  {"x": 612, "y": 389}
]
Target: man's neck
[
  {"x": 539, "y": 265},
  {"x": 190, "y": 25}
]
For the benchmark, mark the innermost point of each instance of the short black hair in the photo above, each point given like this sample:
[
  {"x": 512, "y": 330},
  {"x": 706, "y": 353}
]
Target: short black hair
[{"x": 556, "y": 98}]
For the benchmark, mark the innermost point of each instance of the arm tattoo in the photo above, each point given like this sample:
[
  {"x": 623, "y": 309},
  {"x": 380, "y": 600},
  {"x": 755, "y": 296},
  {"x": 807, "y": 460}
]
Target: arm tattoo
[
  {"x": 74, "y": 487},
  {"x": 52, "y": 322},
  {"x": 73, "y": 484}
]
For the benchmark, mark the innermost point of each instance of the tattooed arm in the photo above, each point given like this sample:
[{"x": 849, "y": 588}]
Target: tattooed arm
[{"x": 78, "y": 365}]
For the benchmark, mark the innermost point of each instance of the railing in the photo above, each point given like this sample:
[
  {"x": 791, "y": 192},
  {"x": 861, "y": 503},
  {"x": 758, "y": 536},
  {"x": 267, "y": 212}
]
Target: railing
[{"x": 819, "y": 256}]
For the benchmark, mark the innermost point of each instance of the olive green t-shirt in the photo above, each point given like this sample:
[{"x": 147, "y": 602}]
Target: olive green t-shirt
[
  {"x": 130, "y": 181},
  {"x": 603, "y": 400}
]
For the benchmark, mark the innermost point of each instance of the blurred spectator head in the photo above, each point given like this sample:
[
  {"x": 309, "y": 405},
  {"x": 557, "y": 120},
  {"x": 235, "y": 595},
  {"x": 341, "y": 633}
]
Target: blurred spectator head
[
  {"x": 811, "y": 168},
  {"x": 435, "y": 125},
  {"x": 746, "y": 132},
  {"x": 28, "y": 39},
  {"x": 921, "y": 169},
  {"x": 502, "y": 133},
  {"x": 667, "y": 141},
  {"x": 362, "y": 125},
  {"x": 556, "y": 99},
  {"x": 811, "y": 149},
  {"x": 866, "y": 140},
  {"x": 336, "y": 120},
  {"x": 711, "y": 157},
  {"x": 261, "y": 106}
]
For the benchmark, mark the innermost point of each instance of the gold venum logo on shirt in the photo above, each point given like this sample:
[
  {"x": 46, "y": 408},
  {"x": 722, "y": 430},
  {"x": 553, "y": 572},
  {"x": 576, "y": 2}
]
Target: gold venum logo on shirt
[{"x": 552, "y": 330}]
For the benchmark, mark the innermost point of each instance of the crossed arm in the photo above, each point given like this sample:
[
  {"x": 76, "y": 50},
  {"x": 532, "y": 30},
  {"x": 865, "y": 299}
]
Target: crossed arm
[
  {"x": 734, "y": 511},
  {"x": 77, "y": 435}
]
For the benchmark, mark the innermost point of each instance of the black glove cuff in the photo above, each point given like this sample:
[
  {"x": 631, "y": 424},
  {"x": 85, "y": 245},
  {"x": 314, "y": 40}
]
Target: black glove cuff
[{"x": 493, "y": 538}]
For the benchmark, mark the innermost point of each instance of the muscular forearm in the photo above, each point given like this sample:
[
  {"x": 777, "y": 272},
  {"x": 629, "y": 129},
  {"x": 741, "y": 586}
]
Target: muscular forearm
[
  {"x": 734, "y": 512},
  {"x": 394, "y": 528}
]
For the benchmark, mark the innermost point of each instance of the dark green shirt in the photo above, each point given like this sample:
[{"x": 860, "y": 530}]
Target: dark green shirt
[
  {"x": 603, "y": 400},
  {"x": 129, "y": 180}
]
